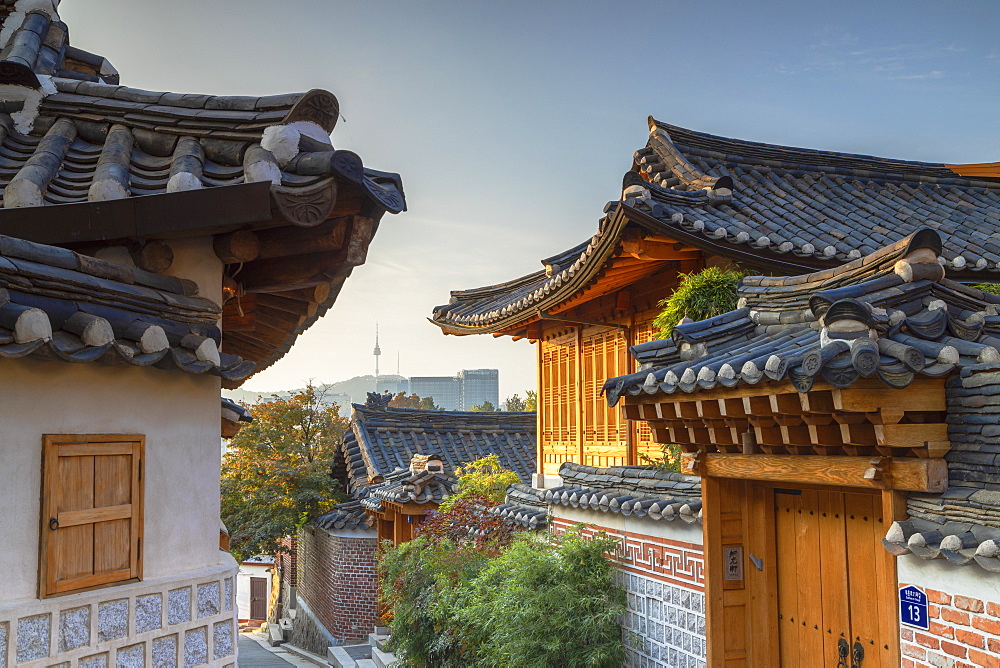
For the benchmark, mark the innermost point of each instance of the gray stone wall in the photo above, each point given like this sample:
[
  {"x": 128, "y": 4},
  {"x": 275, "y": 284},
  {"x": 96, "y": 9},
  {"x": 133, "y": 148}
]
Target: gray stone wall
[
  {"x": 156, "y": 623},
  {"x": 308, "y": 633}
]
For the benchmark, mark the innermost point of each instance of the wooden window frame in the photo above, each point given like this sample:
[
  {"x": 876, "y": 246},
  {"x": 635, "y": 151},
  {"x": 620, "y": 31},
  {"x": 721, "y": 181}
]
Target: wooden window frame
[{"x": 51, "y": 443}]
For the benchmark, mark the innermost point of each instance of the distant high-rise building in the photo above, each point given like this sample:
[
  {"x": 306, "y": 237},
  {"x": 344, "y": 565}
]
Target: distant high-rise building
[
  {"x": 471, "y": 387},
  {"x": 479, "y": 386},
  {"x": 445, "y": 390}
]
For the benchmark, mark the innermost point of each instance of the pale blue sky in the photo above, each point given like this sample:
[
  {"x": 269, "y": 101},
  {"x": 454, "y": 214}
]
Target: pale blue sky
[{"x": 512, "y": 123}]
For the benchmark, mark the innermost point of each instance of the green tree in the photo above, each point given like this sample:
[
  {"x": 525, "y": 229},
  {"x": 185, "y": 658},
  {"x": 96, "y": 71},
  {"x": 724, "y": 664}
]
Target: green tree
[
  {"x": 485, "y": 407},
  {"x": 401, "y": 400},
  {"x": 531, "y": 400},
  {"x": 484, "y": 478},
  {"x": 515, "y": 403},
  {"x": 276, "y": 471}
]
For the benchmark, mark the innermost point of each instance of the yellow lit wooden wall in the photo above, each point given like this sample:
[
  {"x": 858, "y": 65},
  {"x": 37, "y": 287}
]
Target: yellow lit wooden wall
[{"x": 575, "y": 422}]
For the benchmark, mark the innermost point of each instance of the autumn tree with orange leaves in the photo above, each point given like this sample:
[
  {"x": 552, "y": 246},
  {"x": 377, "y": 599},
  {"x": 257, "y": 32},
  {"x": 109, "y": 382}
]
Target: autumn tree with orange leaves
[{"x": 276, "y": 472}]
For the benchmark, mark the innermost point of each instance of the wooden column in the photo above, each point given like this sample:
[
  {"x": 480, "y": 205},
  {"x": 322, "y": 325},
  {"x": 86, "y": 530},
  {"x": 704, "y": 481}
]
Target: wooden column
[
  {"x": 539, "y": 422},
  {"x": 580, "y": 413}
]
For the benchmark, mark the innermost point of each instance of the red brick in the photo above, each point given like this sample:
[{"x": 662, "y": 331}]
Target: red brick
[
  {"x": 942, "y": 630},
  {"x": 988, "y": 624},
  {"x": 939, "y": 597},
  {"x": 970, "y": 604},
  {"x": 933, "y": 611},
  {"x": 914, "y": 651},
  {"x": 927, "y": 641},
  {"x": 906, "y": 634},
  {"x": 953, "y": 649},
  {"x": 955, "y": 616},
  {"x": 969, "y": 638},
  {"x": 984, "y": 659},
  {"x": 993, "y": 644},
  {"x": 993, "y": 609}
]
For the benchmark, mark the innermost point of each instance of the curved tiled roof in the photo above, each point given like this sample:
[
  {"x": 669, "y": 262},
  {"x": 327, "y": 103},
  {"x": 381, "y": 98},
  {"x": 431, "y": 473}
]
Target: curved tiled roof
[
  {"x": 71, "y": 135},
  {"x": 819, "y": 205},
  {"x": 61, "y": 305},
  {"x": 383, "y": 441},
  {"x": 523, "y": 506},
  {"x": 628, "y": 490},
  {"x": 890, "y": 314},
  {"x": 349, "y": 515},
  {"x": 405, "y": 487},
  {"x": 778, "y": 207}
]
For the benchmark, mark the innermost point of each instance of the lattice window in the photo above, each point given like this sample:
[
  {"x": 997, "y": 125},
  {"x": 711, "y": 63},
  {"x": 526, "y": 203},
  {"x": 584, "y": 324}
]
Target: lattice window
[
  {"x": 644, "y": 438},
  {"x": 557, "y": 395},
  {"x": 604, "y": 355}
]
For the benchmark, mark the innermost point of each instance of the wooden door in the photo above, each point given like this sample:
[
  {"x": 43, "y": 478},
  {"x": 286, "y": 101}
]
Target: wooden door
[
  {"x": 258, "y": 598},
  {"x": 829, "y": 589}
]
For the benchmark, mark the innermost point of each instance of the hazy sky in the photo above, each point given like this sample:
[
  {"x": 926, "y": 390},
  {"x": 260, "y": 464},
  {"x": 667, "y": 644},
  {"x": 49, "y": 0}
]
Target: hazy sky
[{"x": 512, "y": 123}]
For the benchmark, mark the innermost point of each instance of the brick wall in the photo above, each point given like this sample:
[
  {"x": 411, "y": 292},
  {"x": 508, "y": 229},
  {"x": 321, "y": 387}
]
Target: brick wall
[
  {"x": 964, "y": 632},
  {"x": 338, "y": 580}
]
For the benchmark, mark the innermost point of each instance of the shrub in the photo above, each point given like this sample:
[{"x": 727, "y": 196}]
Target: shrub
[
  {"x": 669, "y": 459},
  {"x": 709, "y": 292},
  {"x": 540, "y": 600},
  {"x": 547, "y": 601}
]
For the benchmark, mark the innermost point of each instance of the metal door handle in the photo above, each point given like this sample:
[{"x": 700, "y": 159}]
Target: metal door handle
[
  {"x": 53, "y": 523},
  {"x": 842, "y": 650},
  {"x": 858, "y": 656}
]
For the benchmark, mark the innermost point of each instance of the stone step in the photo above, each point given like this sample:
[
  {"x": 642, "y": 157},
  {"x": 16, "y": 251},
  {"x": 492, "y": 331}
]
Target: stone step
[
  {"x": 383, "y": 659},
  {"x": 338, "y": 657},
  {"x": 367, "y": 663},
  {"x": 378, "y": 640},
  {"x": 275, "y": 636}
]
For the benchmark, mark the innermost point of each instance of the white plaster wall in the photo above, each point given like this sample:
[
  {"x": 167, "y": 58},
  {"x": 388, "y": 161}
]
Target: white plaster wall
[
  {"x": 969, "y": 580},
  {"x": 177, "y": 412},
  {"x": 248, "y": 571},
  {"x": 195, "y": 260},
  {"x": 676, "y": 529}
]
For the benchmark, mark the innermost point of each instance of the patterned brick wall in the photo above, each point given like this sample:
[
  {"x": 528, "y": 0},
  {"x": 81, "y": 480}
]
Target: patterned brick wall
[
  {"x": 338, "y": 580},
  {"x": 964, "y": 632},
  {"x": 665, "y": 581}
]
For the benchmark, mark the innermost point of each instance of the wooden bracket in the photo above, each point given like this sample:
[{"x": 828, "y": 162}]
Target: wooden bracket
[
  {"x": 693, "y": 464},
  {"x": 877, "y": 470}
]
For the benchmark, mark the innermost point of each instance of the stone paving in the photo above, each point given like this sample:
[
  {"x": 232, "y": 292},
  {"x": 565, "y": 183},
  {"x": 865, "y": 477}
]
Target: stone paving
[{"x": 257, "y": 654}]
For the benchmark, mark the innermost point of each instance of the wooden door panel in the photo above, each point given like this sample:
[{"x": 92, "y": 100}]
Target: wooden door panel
[
  {"x": 808, "y": 578},
  {"x": 77, "y": 489},
  {"x": 74, "y": 552},
  {"x": 788, "y": 597},
  {"x": 113, "y": 480},
  {"x": 833, "y": 537},
  {"x": 112, "y": 549},
  {"x": 862, "y": 513}
]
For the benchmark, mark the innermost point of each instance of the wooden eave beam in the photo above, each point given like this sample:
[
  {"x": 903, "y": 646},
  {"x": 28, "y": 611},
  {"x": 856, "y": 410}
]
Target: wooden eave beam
[
  {"x": 904, "y": 474},
  {"x": 161, "y": 216}
]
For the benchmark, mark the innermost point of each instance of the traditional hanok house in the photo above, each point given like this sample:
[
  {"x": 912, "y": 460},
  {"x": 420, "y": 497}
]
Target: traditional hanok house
[
  {"x": 397, "y": 465},
  {"x": 693, "y": 200},
  {"x": 158, "y": 246},
  {"x": 831, "y": 414}
]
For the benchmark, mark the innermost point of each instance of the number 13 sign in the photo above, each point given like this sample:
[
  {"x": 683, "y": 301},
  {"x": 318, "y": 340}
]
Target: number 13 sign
[{"x": 913, "y": 607}]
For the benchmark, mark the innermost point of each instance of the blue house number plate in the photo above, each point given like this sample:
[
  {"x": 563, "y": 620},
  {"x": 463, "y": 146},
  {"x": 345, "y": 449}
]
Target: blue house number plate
[{"x": 913, "y": 607}]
